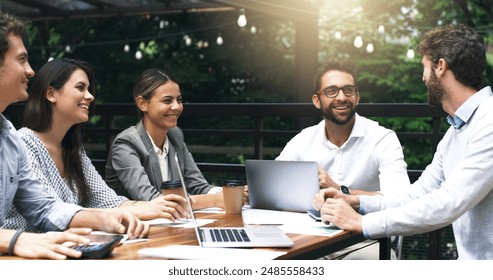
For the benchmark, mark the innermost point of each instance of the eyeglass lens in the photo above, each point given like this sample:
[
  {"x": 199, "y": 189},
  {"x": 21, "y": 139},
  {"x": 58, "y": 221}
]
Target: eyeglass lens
[{"x": 332, "y": 91}]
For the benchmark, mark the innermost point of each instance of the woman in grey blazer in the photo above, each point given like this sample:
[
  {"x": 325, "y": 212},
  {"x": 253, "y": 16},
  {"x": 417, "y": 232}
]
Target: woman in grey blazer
[{"x": 143, "y": 156}]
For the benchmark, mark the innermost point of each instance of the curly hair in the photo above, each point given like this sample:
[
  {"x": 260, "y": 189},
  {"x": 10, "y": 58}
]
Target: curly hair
[
  {"x": 461, "y": 47},
  {"x": 10, "y": 24}
]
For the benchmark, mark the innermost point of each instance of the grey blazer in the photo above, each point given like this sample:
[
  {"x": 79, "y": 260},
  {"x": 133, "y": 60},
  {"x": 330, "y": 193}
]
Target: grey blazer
[{"x": 132, "y": 168}]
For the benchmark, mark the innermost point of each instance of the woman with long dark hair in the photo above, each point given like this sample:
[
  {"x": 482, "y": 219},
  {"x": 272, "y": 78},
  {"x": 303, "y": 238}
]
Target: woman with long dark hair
[{"x": 58, "y": 104}]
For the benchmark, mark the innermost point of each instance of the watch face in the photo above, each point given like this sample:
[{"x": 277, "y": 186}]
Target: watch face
[{"x": 345, "y": 189}]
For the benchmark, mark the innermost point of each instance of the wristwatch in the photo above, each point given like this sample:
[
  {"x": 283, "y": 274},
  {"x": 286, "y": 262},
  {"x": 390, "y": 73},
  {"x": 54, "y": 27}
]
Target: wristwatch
[{"x": 345, "y": 190}]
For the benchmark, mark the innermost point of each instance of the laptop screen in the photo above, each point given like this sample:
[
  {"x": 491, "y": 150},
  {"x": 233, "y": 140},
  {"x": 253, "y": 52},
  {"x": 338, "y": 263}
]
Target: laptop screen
[{"x": 189, "y": 203}]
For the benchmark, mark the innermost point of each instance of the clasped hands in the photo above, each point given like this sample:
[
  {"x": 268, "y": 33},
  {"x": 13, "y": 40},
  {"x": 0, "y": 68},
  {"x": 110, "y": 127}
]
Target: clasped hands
[{"x": 335, "y": 207}]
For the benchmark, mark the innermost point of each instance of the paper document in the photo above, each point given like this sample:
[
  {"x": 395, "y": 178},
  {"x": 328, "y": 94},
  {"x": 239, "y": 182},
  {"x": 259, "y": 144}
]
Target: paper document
[
  {"x": 216, "y": 210},
  {"x": 194, "y": 252},
  {"x": 314, "y": 228},
  {"x": 124, "y": 240},
  {"x": 272, "y": 217},
  {"x": 291, "y": 222},
  {"x": 184, "y": 223}
]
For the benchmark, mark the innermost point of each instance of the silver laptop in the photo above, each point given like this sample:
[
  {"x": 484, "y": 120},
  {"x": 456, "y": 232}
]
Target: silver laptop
[
  {"x": 282, "y": 185},
  {"x": 261, "y": 236}
]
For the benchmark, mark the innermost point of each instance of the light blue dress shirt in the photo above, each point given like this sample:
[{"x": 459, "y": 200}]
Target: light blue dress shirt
[{"x": 457, "y": 187}]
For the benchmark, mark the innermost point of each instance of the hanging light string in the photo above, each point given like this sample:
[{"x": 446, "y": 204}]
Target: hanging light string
[
  {"x": 147, "y": 38},
  {"x": 242, "y": 21}
]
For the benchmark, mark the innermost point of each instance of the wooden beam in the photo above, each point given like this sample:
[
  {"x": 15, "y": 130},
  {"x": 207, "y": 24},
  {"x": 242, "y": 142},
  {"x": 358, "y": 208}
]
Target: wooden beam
[{"x": 52, "y": 13}]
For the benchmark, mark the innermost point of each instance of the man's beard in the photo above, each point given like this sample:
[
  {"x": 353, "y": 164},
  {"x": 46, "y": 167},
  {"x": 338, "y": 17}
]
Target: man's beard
[
  {"x": 335, "y": 118},
  {"x": 435, "y": 90}
]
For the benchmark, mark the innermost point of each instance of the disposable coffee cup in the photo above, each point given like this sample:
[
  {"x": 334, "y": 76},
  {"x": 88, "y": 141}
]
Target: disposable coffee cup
[
  {"x": 233, "y": 196},
  {"x": 172, "y": 187}
]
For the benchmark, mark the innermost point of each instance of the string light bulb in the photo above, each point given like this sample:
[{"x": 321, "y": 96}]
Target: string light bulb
[
  {"x": 188, "y": 40},
  {"x": 410, "y": 54},
  {"x": 68, "y": 49},
  {"x": 126, "y": 48},
  {"x": 138, "y": 55},
  {"x": 219, "y": 39},
  {"x": 369, "y": 48},
  {"x": 381, "y": 29},
  {"x": 242, "y": 20},
  {"x": 253, "y": 29},
  {"x": 338, "y": 35},
  {"x": 358, "y": 42}
]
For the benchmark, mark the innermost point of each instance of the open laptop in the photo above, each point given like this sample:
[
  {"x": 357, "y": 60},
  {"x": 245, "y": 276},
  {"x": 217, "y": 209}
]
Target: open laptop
[
  {"x": 236, "y": 237},
  {"x": 282, "y": 185}
]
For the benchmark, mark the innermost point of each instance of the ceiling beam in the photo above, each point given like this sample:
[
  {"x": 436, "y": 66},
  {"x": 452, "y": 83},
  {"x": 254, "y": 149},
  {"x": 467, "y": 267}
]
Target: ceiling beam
[
  {"x": 43, "y": 7},
  {"x": 113, "y": 11},
  {"x": 101, "y": 4}
]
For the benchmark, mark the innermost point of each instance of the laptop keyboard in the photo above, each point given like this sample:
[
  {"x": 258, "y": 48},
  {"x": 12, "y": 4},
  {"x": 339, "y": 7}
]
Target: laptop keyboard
[{"x": 229, "y": 235}]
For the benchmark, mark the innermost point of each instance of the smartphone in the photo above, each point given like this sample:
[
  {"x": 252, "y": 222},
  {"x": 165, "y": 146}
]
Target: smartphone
[
  {"x": 100, "y": 246},
  {"x": 315, "y": 214}
]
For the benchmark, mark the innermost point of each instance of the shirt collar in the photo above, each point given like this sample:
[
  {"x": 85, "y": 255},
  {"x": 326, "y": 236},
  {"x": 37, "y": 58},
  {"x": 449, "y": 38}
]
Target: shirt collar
[
  {"x": 467, "y": 109},
  {"x": 358, "y": 128},
  {"x": 357, "y": 131},
  {"x": 5, "y": 125},
  {"x": 164, "y": 150}
]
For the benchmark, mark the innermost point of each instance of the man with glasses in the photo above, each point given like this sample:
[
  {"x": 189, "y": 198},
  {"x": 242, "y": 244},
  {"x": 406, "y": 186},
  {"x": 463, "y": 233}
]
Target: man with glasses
[
  {"x": 457, "y": 186},
  {"x": 354, "y": 154}
]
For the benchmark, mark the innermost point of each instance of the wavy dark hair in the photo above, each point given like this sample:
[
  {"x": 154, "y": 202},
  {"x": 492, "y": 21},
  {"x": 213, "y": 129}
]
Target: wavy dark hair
[
  {"x": 461, "y": 47},
  {"x": 10, "y": 24},
  {"x": 148, "y": 82},
  {"x": 38, "y": 115}
]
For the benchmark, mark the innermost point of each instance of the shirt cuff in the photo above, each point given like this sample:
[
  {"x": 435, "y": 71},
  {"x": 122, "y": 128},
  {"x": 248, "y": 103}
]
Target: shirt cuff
[
  {"x": 362, "y": 205},
  {"x": 215, "y": 190}
]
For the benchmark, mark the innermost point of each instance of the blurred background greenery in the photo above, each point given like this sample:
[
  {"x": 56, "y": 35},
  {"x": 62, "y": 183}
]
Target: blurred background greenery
[{"x": 215, "y": 60}]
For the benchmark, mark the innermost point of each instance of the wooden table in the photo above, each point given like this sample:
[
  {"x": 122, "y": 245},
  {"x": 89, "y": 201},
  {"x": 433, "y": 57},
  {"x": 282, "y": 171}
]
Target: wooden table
[{"x": 306, "y": 247}]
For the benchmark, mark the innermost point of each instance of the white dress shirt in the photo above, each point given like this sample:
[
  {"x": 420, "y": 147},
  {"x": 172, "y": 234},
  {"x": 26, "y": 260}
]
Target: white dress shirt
[
  {"x": 370, "y": 160},
  {"x": 162, "y": 155}
]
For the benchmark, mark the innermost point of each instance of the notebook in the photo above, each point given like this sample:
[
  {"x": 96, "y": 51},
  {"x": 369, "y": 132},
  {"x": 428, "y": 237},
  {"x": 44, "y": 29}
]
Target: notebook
[
  {"x": 282, "y": 185},
  {"x": 236, "y": 237}
]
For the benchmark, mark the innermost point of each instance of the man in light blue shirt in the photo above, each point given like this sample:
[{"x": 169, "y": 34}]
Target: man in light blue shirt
[
  {"x": 20, "y": 187},
  {"x": 457, "y": 186}
]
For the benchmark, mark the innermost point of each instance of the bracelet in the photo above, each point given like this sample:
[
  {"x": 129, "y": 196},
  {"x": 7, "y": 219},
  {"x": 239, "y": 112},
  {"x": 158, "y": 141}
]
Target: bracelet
[{"x": 14, "y": 240}]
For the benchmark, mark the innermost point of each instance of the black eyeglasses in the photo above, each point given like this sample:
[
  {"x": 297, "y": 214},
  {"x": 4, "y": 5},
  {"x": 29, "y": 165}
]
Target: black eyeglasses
[{"x": 333, "y": 91}]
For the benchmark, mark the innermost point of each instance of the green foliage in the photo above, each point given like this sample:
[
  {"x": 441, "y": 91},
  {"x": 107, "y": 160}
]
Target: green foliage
[
  {"x": 245, "y": 68},
  {"x": 259, "y": 67}
]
